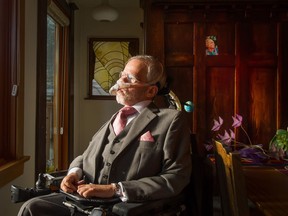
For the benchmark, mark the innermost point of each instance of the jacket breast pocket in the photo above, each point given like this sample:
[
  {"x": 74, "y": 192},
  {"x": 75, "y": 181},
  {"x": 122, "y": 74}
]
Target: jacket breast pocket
[{"x": 147, "y": 145}]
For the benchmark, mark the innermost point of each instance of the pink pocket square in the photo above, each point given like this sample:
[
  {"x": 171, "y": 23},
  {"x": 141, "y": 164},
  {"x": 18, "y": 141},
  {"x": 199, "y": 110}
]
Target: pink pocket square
[{"x": 147, "y": 137}]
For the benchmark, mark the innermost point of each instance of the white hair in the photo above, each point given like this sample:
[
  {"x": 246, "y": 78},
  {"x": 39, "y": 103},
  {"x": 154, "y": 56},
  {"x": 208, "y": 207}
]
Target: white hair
[{"x": 155, "y": 72}]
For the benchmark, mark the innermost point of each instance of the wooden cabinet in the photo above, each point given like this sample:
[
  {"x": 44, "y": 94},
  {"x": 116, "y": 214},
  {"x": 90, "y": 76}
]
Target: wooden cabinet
[{"x": 248, "y": 76}]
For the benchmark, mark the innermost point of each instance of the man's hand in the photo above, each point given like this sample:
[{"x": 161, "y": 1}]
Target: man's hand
[
  {"x": 96, "y": 190},
  {"x": 70, "y": 183}
]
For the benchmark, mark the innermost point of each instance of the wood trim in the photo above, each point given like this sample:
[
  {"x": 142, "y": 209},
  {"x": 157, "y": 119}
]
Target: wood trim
[
  {"x": 57, "y": 14},
  {"x": 72, "y": 7},
  {"x": 20, "y": 80},
  {"x": 40, "y": 150},
  {"x": 12, "y": 55},
  {"x": 12, "y": 170}
]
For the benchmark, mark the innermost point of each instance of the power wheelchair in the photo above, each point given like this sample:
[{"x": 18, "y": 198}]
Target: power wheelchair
[
  {"x": 195, "y": 200},
  {"x": 50, "y": 183}
]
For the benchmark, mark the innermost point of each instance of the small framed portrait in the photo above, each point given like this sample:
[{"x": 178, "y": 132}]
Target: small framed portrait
[
  {"x": 211, "y": 45},
  {"x": 107, "y": 58}
]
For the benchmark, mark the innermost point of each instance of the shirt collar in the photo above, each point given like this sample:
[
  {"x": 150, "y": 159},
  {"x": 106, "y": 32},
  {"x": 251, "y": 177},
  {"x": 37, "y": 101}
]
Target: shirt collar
[{"x": 141, "y": 105}]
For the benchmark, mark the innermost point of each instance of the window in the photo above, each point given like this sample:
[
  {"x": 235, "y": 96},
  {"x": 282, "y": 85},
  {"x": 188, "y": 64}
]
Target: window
[
  {"x": 55, "y": 95},
  {"x": 54, "y": 88}
]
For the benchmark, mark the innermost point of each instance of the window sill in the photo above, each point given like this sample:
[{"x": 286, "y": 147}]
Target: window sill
[{"x": 12, "y": 170}]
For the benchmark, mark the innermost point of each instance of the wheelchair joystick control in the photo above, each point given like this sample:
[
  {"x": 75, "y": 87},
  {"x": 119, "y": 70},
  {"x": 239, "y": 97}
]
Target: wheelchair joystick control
[
  {"x": 41, "y": 182},
  {"x": 45, "y": 184}
]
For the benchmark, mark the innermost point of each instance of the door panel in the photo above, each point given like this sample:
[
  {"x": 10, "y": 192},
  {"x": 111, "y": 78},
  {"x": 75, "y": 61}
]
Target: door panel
[
  {"x": 263, "y": 105},
  {"x": 220, "y": 97}
]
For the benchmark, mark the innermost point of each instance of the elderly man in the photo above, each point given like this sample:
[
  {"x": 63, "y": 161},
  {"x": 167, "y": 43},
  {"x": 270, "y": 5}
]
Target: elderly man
[{"x": 142, "y": 153}]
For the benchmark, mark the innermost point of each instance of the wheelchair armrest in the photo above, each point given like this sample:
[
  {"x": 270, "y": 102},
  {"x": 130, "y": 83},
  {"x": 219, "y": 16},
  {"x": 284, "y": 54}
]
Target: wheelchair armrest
[
  {"x": 175, "y": 204},
  {"x": 46, "y": 184}
]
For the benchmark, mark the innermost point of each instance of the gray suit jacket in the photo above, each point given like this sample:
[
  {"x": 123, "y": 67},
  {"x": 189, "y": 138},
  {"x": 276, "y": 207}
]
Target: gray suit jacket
[{"x": 153, "y": 169}]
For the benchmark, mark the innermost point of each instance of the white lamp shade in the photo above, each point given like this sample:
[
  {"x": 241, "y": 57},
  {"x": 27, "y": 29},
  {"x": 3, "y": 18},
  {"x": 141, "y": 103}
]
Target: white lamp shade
[{"x": 104, "y": 13}]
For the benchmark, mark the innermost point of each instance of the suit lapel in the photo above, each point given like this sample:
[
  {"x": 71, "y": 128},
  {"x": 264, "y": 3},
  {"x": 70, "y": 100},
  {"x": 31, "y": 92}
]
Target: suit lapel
[{"x": 138, "y": 125}]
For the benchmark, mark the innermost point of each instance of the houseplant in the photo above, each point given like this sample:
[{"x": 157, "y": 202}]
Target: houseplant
[
  {"x": 278, "y": 146},
  {"x": 247, "y": 151}
]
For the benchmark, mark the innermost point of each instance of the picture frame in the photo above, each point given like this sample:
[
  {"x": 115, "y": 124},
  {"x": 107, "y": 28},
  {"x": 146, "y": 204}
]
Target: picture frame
[{"x": 107, "y": 58}]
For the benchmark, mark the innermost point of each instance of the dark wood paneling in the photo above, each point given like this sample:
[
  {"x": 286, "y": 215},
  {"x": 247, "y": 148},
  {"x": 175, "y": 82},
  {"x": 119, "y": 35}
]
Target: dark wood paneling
[
  {"x": 220, "y": 97},
  {"x": 263, "y": 104},
  {"x": 153, "y": 20},
  {"x": 40, "y": 147},
  {"x": 248, "y": 77},
  {"x": 258, "y": 80},
  {"x": 176, "y": 52},
  {"x": 181, "y": 82},
  {"x": 225, "y": 34},
  {"x": 283, "y": 75}
]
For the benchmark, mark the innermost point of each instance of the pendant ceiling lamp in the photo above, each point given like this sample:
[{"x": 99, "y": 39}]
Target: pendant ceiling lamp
[{"x": 105, "y": 12}]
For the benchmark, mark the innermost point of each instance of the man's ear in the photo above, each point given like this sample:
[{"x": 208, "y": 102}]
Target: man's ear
[{"x": 152, "y": 91}]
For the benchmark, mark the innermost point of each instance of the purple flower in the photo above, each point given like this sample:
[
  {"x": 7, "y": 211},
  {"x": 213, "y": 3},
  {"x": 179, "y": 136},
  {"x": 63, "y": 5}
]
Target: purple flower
[
  {"x": 217, "y": 124},
  {"x": 256, "y": 153},
  {"x": 237, "y": 121},
  {"x": 227, "y": 138}
]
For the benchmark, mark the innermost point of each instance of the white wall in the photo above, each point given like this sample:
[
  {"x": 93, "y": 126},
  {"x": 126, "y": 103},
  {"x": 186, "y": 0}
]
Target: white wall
[{"x": 89, "y": 114}]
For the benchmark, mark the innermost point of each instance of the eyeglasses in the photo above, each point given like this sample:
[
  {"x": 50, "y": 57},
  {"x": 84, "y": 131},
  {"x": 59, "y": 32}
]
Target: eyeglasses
[{"x": 129, "y": 78}]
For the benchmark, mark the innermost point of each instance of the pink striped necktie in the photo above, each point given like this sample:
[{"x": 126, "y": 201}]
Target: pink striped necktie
[{"x": 121, "y": 118}]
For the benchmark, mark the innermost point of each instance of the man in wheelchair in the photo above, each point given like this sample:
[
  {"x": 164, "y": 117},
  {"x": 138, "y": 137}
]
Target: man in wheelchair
[{"x": 143, "y": 158}]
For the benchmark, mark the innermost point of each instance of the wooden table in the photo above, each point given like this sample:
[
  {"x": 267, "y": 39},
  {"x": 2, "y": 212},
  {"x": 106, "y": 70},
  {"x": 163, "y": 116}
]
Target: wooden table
[{"x": 267, "y": 188}]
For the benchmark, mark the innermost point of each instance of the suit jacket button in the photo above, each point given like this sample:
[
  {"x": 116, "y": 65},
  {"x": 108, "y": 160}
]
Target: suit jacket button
[
  {"x": 116, "y": 141},
  {"x": 112, "y": 152}
]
